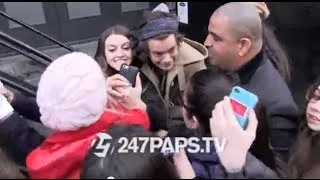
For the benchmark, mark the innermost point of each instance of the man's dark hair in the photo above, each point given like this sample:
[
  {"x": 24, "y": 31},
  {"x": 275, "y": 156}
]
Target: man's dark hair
[{"x": 142, "y": 48}]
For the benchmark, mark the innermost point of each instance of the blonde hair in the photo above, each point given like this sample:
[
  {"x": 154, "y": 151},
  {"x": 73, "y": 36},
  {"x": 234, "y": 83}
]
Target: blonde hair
[{"x": 262, "y": 9}]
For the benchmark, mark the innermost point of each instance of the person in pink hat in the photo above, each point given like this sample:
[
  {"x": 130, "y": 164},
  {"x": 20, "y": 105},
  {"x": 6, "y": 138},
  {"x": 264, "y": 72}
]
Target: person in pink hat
[{"x": 72, "y": 100}]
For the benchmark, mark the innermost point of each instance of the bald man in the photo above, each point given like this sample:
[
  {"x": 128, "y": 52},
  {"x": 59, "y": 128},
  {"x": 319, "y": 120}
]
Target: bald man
[{"x": 235, "y": 44}]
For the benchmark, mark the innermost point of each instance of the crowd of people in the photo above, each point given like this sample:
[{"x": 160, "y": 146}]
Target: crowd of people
[{"x": 182, "y": 90}]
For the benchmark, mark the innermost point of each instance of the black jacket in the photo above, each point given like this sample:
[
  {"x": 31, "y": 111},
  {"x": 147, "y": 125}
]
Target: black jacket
[
  {"x": 208, "y": 166},
  {"x": 18, "y": 139},
  {"x": 261, "y": 77},
  {"x": 27, "y": 107}
]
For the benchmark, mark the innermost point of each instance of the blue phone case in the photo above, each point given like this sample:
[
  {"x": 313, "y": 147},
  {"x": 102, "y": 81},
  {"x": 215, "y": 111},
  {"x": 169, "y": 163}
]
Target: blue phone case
[{"x": 241, "y": 96}]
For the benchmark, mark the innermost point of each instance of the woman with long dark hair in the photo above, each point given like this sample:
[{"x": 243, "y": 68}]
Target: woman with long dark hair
[{"x": 304, "y": 161}]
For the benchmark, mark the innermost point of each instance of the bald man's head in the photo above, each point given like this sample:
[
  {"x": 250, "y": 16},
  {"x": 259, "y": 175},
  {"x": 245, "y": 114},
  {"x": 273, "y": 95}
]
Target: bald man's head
[
  {"x": 243, "y": 20},
  {"x": 235, "y": 35}
]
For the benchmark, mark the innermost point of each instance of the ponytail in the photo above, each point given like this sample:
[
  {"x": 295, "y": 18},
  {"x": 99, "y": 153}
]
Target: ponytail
[{"x": 272, "y": 47}]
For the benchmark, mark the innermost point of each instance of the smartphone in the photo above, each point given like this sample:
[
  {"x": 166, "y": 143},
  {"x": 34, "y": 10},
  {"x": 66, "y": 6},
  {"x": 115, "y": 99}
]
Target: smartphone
[
  {"x": 242, "y": 101},
  {"x": 130, "y": 73},
  {"x": 5, "y": 107}
]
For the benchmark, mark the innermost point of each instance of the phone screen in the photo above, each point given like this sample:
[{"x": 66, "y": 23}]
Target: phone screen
[{"x": 238, "y": 108}]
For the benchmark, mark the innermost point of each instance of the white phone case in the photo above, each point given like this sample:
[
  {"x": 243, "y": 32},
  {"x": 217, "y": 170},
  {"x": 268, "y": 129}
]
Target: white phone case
[{"x": 5, "y": 107}]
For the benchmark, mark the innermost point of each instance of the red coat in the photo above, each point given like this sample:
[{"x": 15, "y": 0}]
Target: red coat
[{"x": 62, "y": 154}]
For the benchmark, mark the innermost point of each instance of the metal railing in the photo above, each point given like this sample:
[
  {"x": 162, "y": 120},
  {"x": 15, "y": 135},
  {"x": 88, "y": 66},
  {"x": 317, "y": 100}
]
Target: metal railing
[
  {"x": 36, "y": 31},
  {"x": 12, "y": 41},
  {"x": 18, "y": 84},
  {"x": 27, "y": 51}
]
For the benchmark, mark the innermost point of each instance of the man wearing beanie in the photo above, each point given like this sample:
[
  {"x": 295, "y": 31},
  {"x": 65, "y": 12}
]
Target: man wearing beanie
[
  {"x": 169, "y": 60},
  {"x": 72, "y": 99}
]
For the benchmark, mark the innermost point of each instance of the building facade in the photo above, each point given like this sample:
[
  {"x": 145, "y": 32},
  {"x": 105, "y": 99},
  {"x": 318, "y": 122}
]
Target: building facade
[{"x": 68, "y": 21}]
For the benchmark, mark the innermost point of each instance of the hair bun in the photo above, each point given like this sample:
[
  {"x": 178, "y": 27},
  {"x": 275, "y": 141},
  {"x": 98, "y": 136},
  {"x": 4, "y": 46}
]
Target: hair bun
[{"x": 263, "y": 10}]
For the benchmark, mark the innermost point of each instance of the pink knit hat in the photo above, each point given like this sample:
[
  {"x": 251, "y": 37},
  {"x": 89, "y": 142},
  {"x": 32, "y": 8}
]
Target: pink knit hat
[{"x": 71, "y": 92}]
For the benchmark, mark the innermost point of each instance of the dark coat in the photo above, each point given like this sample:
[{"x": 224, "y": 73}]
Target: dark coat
[
  {"x": 16, "y": 129},
  {"x": 18, "y": 139},
  {"x": 207, "y": 166},
  {"x": 26, "y": 107},
  {"x": 261, "y": 77}
]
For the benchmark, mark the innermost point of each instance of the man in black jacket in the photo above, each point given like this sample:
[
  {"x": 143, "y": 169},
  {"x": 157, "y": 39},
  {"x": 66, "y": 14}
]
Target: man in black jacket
[{"x": 235, "y": 44}]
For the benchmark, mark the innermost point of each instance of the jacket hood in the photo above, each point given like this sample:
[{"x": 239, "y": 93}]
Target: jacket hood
[{"x": 191, "y": 51}]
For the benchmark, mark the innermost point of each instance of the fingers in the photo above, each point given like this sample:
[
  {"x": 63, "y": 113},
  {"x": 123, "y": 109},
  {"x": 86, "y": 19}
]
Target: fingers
[
  {"x": 253, "y": 122},
  {"x": 212, "y": 125},
  {"x": 118, "y": 77},
  {"x": 181, "y": 155},
  {"x": 7, "y": 94},
  {"x": 183, "y": 165},
  {"x": 217, "y": 121},
  {"x": 114, "y": 83},
  {"x": 124, "y": 91},
  {"x": 114, "y": 92},
  {"x": 117, "y": 81},
  {"x": 228, "y": 112}
]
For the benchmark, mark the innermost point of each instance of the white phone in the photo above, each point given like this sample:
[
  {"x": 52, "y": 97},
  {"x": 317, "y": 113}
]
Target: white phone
[{"x": 5, "y": 107}]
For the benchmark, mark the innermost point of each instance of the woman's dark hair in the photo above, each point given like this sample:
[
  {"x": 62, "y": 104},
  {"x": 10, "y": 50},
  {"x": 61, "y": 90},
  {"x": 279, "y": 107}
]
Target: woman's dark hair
[
  {"x": 276, "y": 53},
  {"x": 100, "y": 53},
  {"x": 142, "y": 49},
  {"x": 204, "y": 90},
  {"x": 131, "y": 165},
  {"x": 305, "y": 153},
  {"x": 208, "y": 87}
]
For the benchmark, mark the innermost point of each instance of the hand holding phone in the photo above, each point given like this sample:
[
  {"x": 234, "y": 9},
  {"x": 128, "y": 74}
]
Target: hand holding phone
[
  {"x": 130, "y": 73},
  {"x": 223, "y": 125},
  {"x": 131, "y": 96},
  {"x": 242, "y": 101}
]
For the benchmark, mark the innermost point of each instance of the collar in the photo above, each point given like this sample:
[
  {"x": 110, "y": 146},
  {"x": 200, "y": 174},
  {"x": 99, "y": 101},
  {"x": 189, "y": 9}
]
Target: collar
[
  {"x": 246, "y": 72},
  {"x": 106, "y": 120}
]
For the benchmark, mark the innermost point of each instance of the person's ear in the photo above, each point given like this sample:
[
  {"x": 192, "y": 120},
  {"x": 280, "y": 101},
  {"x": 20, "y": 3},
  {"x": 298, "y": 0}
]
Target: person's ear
[{"x": 244, "y": 46}]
